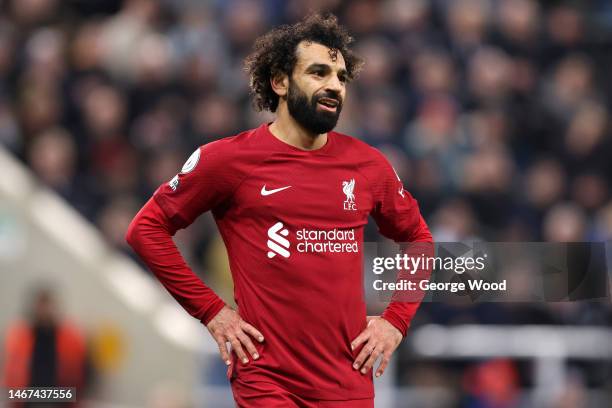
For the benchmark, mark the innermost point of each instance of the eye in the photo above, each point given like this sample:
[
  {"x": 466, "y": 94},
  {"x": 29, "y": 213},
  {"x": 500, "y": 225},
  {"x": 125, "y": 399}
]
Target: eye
[{"x": 342, "y": 78}]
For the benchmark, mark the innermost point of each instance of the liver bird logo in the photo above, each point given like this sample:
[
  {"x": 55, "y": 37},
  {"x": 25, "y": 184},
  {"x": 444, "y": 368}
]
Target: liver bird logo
[{"x": 348, "y": 187}]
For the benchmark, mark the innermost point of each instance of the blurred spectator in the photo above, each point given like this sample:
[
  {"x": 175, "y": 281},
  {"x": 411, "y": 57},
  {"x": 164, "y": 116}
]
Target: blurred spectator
[
  {"x": 433, "y": 72},
  {"x": 380, "y": 55},
  {"x": 585, "y": 146},
  {"x": 544, "y": 183},
  {"x": 52, "y": 156},
  {"x": 492, "y": 384},
  {"x": 30, "y": 12},
  {"x": 453, "y": 223},
  {"x": 467, "y": 22},
  {"x": 115, "y": 218},
  {"x": 518, "y": 24},
  {"x": 565, "y": 27},
  {"x": 124, "y": 35},
  {"x": 44, "y": 350},
  {"x": 489, "y": 73},
  {"x": 565, "y": 222},
  {"x": 570, "y": 85}
]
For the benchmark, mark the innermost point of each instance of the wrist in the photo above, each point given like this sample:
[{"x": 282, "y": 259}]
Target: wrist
[
  {"x": 396, "y": 322},
  {"x": 212, "y": 311}
]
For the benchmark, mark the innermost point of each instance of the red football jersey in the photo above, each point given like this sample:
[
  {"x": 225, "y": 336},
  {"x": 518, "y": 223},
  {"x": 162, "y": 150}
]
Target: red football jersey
[{"x": 292, "y": 222}]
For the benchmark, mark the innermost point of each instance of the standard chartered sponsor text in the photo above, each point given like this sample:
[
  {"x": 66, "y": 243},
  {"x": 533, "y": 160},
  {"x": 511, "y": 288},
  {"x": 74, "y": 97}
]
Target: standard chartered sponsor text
[{"x": 334, "y": 240}]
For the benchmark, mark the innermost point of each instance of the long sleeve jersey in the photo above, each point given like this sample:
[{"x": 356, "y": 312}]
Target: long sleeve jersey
[{"x": 292, "y": 222}]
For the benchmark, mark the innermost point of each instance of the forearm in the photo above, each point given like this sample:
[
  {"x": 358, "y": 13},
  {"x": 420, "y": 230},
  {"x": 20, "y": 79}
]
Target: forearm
[
  {"x": 150, "y": 235},
  {"x": 404, "y": 304}
]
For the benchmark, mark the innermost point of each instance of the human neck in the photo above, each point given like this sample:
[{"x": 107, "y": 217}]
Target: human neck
[{"x": 289, "y": 131}]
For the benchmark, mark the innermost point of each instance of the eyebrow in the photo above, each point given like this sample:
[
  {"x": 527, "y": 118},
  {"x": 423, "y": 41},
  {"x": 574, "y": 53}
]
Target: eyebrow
[{"x": 325, "y": 67}]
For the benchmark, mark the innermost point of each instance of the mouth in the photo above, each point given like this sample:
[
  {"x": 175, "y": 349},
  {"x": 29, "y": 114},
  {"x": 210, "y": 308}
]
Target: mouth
[{"x": 328, "y": 104}]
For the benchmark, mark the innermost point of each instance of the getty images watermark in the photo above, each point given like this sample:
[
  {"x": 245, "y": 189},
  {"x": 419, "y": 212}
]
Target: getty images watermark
[
  {"x": 488, "y": 271},
  {"x": 411, "y": 264}
]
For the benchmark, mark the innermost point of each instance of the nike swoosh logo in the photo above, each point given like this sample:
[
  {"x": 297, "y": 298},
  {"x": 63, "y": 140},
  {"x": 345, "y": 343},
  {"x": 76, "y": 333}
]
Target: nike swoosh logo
[{"x": 265, "y": 192}]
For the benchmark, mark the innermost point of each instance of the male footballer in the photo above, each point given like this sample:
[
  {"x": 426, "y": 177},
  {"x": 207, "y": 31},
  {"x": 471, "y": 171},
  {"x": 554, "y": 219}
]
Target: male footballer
[{"x": 290, "y": 199}]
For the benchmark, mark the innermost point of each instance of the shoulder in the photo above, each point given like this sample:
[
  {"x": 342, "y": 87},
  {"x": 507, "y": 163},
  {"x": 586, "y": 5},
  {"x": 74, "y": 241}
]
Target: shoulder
[
  {"x": 236, "y": 152},
  {"x": 363, "y": 153},
  {"x": 229, "y": 145},
  {"x": 18, "y": 332},
  {"x": 18, "y": 326},
  {"x": 229, "y": 159}
]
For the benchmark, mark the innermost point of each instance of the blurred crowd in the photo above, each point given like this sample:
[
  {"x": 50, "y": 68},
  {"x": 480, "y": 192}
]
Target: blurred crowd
[{"x": 495, "y": 113}]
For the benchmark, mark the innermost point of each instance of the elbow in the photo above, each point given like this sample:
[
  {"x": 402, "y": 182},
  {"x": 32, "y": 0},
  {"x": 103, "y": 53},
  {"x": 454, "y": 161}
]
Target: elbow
[
  {"x": 422, "y": 233},
  {"x": 148, "y": 223},
  {"x": 426, "y": 237},
  {"x": 132, "y": 233}
]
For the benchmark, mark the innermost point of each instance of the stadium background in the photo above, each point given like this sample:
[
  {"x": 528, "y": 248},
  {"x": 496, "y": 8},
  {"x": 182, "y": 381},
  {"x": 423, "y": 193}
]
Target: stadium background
[{"x": 495, "y": 113}]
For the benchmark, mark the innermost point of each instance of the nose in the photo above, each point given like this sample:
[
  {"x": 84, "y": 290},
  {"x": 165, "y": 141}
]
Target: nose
[{"x": 334, "y": 85}]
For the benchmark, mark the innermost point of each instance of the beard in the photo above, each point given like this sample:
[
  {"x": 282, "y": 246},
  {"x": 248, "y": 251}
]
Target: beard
[{"x": 305, "y": 112}]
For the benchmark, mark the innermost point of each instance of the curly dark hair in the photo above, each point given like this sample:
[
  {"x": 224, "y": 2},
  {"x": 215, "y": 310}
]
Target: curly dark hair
[{"x": 274, "y": 53}]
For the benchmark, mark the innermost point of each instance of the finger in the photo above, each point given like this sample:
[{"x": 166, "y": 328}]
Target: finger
[
  {"x": 237, "y": 347},
  {"x": 370, "y": 318},
  {"x": 363, "y": 356},
  {"x": 248, "y": 344},
  {"x": 252, "y": 331},
  {"x": 370, "y": 361},
  {"x": 383, "y": 364},
  {"x": 362, "y": 338},
  {"x": 223, "y": 351}
]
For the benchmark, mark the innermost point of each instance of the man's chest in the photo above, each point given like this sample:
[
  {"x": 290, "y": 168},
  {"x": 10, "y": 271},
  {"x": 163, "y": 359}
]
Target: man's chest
[{"x": 324, "y": 193}]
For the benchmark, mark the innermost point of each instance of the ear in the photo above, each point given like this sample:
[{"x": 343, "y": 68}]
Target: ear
[{"x": 280, "y": 84}]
